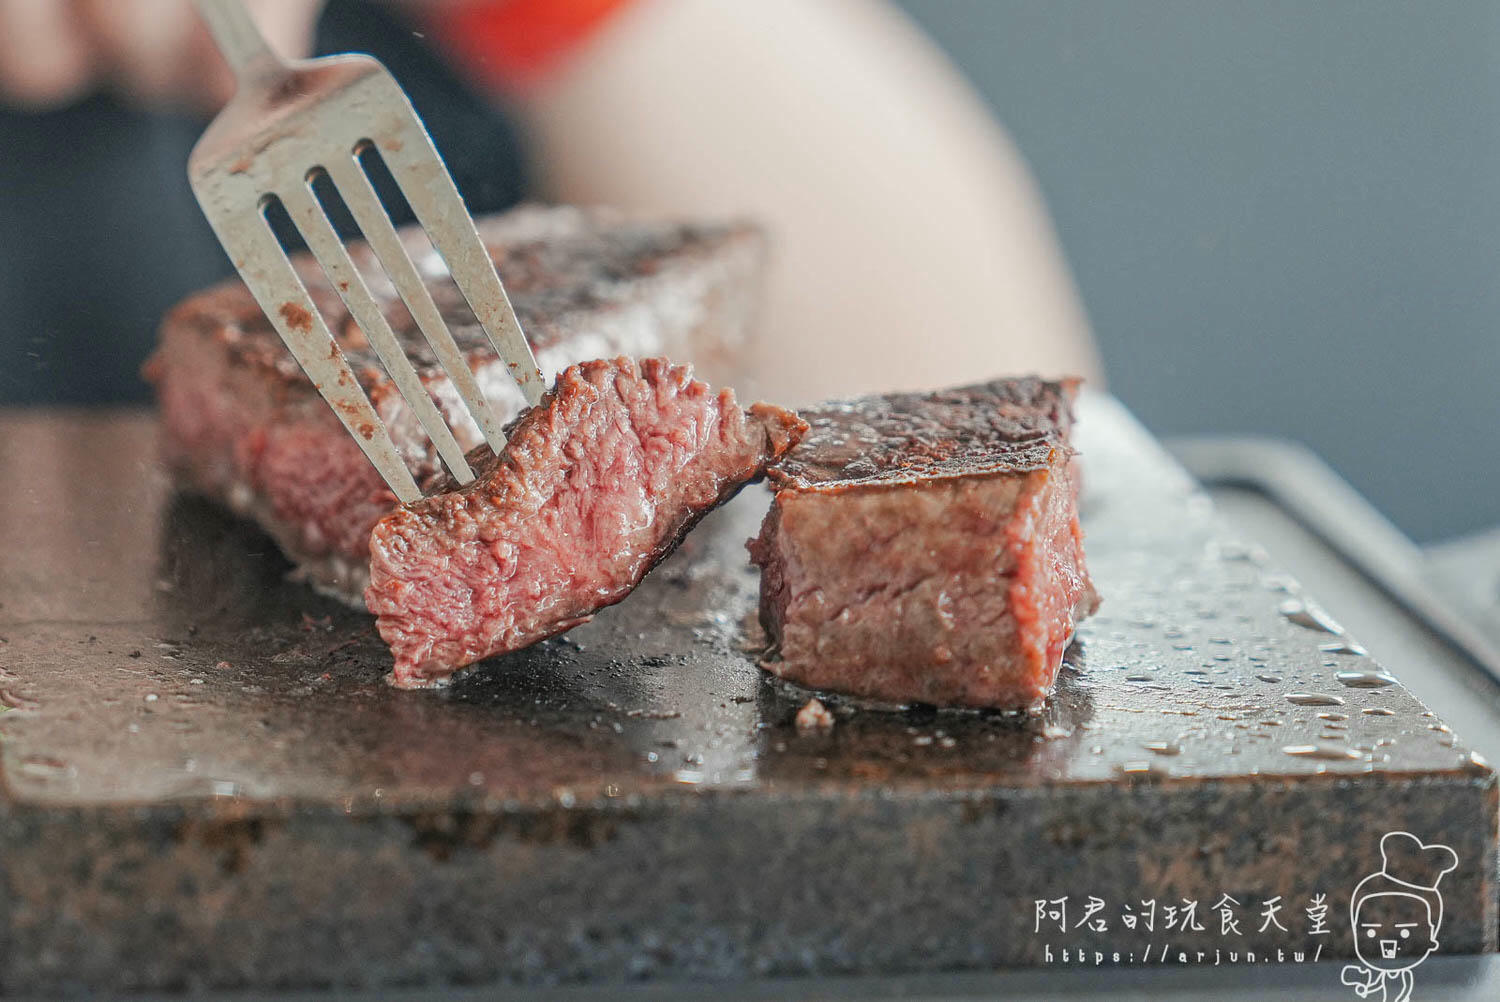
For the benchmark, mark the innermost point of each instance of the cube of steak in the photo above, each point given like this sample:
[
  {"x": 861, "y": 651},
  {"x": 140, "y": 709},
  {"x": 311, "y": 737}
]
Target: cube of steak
[
  {"x": 242, "y": 424},
  {"x": 926, "y": 547},
  {"x": 596, "y": 485}
]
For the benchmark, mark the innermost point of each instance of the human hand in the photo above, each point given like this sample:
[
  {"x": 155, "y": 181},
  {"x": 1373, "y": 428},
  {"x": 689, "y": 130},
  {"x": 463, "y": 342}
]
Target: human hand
[{"x": 154, "y": 51}]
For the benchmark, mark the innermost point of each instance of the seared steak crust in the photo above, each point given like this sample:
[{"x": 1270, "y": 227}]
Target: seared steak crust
[
  {"x": 595, "y": 486},
  {"x": 1005, "y": 426}
]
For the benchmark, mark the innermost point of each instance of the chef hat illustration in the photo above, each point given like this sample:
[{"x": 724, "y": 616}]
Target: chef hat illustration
[{"x": 1408, "y": 866}]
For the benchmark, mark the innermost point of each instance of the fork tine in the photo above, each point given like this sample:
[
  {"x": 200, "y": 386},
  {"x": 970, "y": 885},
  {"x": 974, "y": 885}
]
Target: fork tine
[
  {"x": 264, "y": 266},
  {"x": 414, "y": 162},
  {"x": 368, "y": 211},
  {"x": 311, "y": 220}
]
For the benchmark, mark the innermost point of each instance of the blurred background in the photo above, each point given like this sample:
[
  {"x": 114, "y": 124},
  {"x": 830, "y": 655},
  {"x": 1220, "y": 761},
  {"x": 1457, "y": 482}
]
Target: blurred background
[
  {"x": 1284, "y": 218},
  {"x": 1281, "y": 216}
]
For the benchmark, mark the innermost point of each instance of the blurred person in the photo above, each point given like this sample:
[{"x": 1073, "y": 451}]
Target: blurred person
[{"x": 910, "y": 245}]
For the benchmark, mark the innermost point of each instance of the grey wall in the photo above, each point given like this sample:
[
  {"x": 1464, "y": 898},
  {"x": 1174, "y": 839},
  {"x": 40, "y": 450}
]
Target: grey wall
[{"x": 1284, "y": 218}]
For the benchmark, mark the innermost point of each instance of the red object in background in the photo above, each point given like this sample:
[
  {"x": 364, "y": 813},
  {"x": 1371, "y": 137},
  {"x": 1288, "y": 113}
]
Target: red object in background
[{"x": 509, "y": 43}]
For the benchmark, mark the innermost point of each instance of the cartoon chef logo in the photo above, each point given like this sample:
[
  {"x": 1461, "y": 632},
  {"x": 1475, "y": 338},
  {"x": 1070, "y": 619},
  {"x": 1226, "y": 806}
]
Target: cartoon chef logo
[{"x": 1396, "y": 916}]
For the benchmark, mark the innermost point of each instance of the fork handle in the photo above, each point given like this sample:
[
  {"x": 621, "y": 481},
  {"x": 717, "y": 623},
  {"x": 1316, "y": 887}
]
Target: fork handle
[{"x": 241, "y": 42}]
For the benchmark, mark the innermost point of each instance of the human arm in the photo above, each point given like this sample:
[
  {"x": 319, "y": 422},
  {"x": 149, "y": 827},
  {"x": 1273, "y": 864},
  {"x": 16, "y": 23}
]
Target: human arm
[{"x": 911, "y": 247}]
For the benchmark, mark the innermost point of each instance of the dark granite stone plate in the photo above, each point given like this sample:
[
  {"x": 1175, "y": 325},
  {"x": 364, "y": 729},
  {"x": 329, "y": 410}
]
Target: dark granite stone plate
[{"x": 206, "y": 782}]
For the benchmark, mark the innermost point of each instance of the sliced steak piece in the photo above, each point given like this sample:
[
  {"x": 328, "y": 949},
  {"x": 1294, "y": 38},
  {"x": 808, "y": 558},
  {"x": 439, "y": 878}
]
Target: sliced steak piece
[
  {"x": 242, "y": 424},
  {"x": 596, "y": 485},
  {"x": 926, "y": 547}
]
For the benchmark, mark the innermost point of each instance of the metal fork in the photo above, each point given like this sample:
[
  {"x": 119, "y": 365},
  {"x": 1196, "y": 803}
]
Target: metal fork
[{"x": 286, "y": 124}]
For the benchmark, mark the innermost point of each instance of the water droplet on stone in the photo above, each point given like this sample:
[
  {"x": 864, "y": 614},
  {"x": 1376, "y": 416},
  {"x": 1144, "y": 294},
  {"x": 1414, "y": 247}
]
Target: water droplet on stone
[
  {"x": 1137, "y": 768},
  {"x": 1365, "y": 679},
  {"x": 1269, "y": 678},
  {"x": 1378, "y": 711},
  {"x": 1333, "y": 716},
  {"x": 1309, "y": 616},
  {"x": 1327, "y": 752},
  {"x": 1345, "y": 646},
  {"x": 1313, "y": 699}
]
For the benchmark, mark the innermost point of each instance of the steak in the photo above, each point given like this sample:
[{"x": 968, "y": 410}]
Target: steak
[
  {"x": 242, "y": 423},
  {"x": 596, "y": 485},
  {"x": 926, "y": 547}
]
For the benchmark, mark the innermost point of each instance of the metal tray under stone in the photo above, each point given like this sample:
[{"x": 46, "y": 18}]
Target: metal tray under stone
[{"x": 207, "y": 783}]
